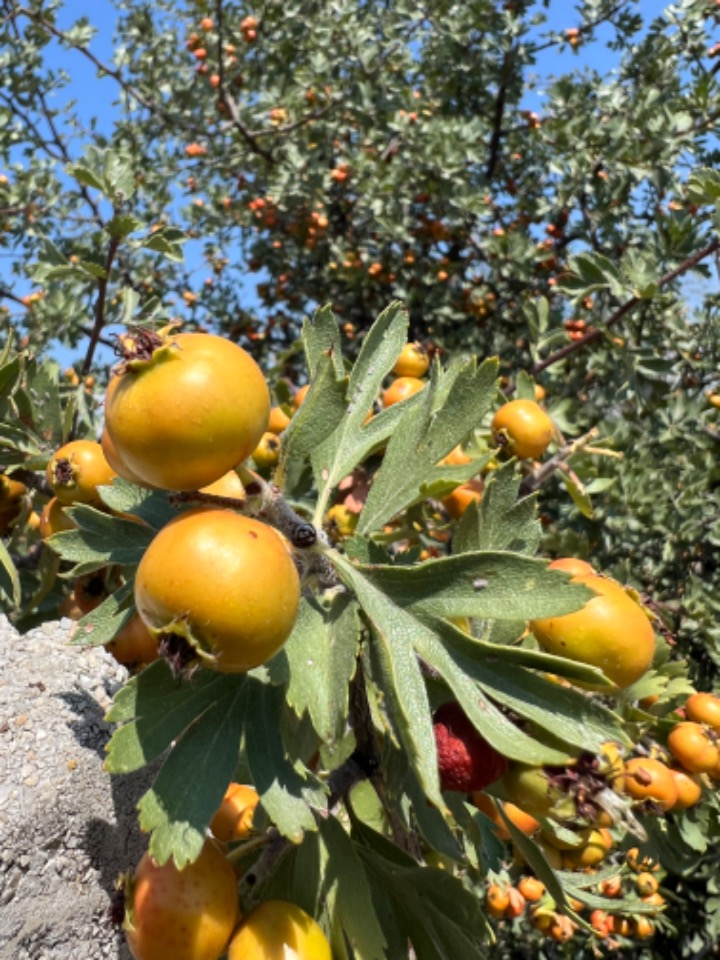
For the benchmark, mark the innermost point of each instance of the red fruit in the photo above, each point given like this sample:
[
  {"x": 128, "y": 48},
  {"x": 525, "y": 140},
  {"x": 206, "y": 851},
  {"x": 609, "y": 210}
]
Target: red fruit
[{"x": 466, "y": 761}]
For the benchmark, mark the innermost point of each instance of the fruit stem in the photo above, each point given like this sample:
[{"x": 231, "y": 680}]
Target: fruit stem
[
  {"x": 557, "y": 462},
  {"x": 243, "y": 849}
]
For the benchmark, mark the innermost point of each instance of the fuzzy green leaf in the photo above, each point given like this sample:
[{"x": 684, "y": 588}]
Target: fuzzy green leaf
[
  {"x": 101, "y": 624},
  {"x": 352, "y": 442},
  {"x": 487, "y": 584},
  {"x": 319, "y": 415},
  {"x": 321, "y": 338},
  {"x": 285, "y": 791},
  {"x": 321, "y": 656},
  {"x": 345, "y": 875},
  {"x": 100, "y": 540},
  {"x": 444, "y": 413},
  {"x": 177, "y": 810},
  {"x": 9, "y": 580},
  {"x": 500, "y": 521},
  {"x": 155, "y": 707}
]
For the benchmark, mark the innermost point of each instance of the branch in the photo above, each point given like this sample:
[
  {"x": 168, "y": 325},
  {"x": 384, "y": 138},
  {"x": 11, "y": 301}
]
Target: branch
[
  {"x": 104, "y": 68},
  {"x": 557, "y": 462},
  {"x": 585, "y": 28},
  {"x": 100, "y": 306},
  {"x": 229, "y": 101},
  {"x": 498, "y": 112},
  {"x": 6, "y": 294},
  {"x": 597, "y": 334}
]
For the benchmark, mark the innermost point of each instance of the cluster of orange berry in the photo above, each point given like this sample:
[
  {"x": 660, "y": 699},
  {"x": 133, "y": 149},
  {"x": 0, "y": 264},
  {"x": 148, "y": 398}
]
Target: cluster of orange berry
[{"x": 636, "y": 882}]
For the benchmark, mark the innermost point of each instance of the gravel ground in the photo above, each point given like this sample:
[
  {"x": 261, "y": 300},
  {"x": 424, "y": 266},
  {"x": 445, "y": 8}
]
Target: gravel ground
[{"x": 66, "y": 828}]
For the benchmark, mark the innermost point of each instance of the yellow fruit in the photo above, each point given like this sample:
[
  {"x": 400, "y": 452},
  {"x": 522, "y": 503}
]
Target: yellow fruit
[
  {"x": 234, "y": 817},
  {"x": 267, "y": 452},
  {"x": 76, "y": 470},
  {"x": 611, "y": 632},
  {"x": 523, "y": 429},
  {"x": 412, "y": 362},
  {"x": 223, "y": 583},
  {"x": 277, "y": 930},
  {"x": 188, "y": 408}
]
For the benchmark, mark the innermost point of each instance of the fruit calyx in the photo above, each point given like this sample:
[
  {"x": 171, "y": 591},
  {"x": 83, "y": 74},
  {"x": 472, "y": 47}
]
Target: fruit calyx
[
  {"x": 177, "y": 650},
  {"x": 583, "y": 782},
  {"x": 141, "y": 346},
  {"x": 63, "y": 472}
]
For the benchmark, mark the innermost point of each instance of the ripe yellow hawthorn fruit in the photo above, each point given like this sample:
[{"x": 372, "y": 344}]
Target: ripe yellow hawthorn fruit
[
  {"x": 267, "y": 452},
  {"x": 457, "y": 502},
  {"x": 278, "y": 421},
  {"x": 611, "y": 632},
  {"x": 76, "y": 470},
  {"x": 400, "y": 389},
  {"x": 278, "y": 930},
  {"x": 340, "y": 522},
  {"x": 412, "y": 362},
  {"x": 224, "y": 583},
  {"x": 187, "y": 408},
  {"x": 523, "y": 428},
  {"x": 233, "y": 819}
]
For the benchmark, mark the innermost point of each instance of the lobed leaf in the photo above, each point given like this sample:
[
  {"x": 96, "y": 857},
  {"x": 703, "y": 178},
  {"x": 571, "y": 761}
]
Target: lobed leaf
[
  {"x": 100, "y": 540},
  {"x": 286, "y": 793},
  {"x": 321, "y": 656},
  {"x": 441, "y": 416},
  {"x": 500, "y": 521}
]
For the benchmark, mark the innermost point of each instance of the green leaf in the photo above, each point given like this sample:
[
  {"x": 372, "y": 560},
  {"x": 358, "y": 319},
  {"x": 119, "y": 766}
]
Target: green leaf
[
  {"x": 578, "y": 493},
  {"x": 500, "y": 521},
  {"x": 345, "y": 875},
  {"x": 156, "y": 706},
  {"x": 10, "y": 376},
  {"x": 151, "y": 506},
  {"x": 397, "y": 672},
  {"x": 524, "y": 386},
  {"x": 118, "y": 177},
  {"x": 352, "y": 441},
  {"x": 566, "y": 713},
  {"x": 41, "y": 384},
  {"x": 9, "y": 580},
  {"x": 321, "y": 655},
  {"x": 434, "y": 909},
  {"x": 703, "y": 185},
  {"x": 177, "y": 810},
  {"x": 100, "y": 540},
  {"x": 285, "y": 792},
  {"x": 101, "y": 624},
  {"x": 321, "y": 338},
  {"x": 122, "y": 225},
  {"x": 445, "y": 411},
  {"x": 85, "y": 176},
  {"x": 166, "y": 241},
  {"x": 487, "y": 584},
  {"x": 320, "y": 413},
  {"x": 489, "y": 721}
]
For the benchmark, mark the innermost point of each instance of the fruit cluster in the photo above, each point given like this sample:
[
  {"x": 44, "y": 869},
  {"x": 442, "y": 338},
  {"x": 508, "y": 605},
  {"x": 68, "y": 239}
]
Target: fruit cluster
[
  {"x": 193, "y": 913},
  {"x": 219, "y": 588},
  {"x": 636, "y": 885},
  {"x": 215, "y": 586}
]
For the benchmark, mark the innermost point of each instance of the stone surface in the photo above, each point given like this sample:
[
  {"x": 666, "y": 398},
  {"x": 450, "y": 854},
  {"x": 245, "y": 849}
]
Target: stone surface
[{"x": 67, "y": 829}]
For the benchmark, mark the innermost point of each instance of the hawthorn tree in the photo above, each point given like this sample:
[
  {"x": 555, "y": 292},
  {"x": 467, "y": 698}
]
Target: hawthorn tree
[{"x": 262, "y": 162}]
